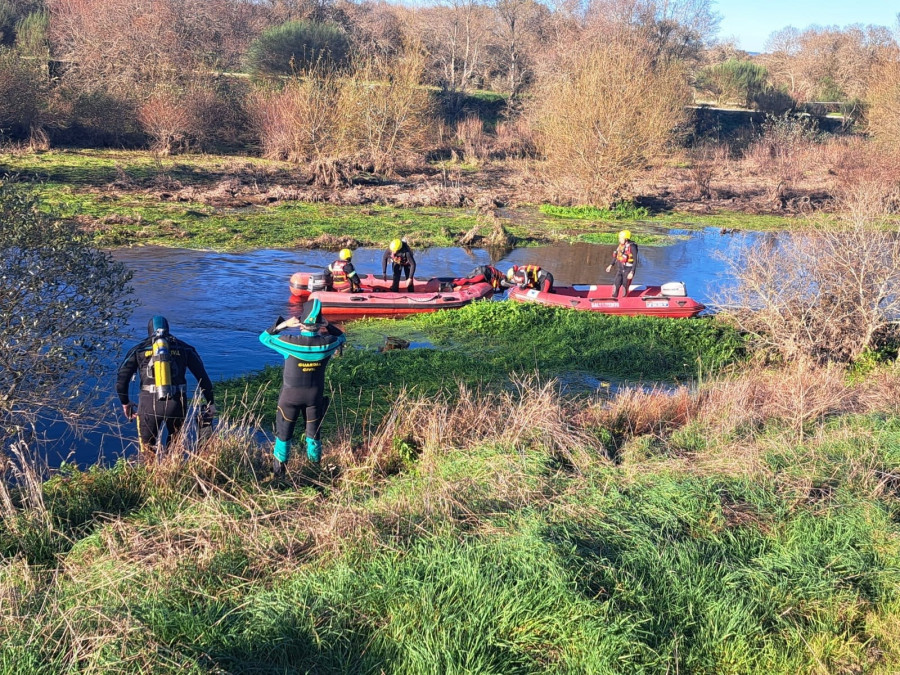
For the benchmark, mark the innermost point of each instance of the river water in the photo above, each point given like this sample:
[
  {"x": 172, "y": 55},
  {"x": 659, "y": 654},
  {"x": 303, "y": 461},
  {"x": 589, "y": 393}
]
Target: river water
[{"x": 220, "y": 302}]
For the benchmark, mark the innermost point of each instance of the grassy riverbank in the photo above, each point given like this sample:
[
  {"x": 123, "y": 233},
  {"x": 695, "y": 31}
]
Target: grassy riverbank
[
  {"x": 491, "y": 535},
  {"x": 129, "y": 198},
  {"x": 488, "y": 344}
]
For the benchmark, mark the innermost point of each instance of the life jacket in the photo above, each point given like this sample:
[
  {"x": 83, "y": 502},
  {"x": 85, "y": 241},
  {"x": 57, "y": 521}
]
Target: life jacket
[
  {"x": 400, "y": 257},
  {"x": 529, "y": 275},
  {"x": 339, "y": 279},
  {"x": 494, "y": 276},
  {"x": 625, "y": 254}
]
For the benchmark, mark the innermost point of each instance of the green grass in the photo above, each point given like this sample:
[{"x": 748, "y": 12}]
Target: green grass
[
  {"x": 486, "y": 560},
  {"x": 487, "y": 343},
  {"x": 619, "y": 211}
]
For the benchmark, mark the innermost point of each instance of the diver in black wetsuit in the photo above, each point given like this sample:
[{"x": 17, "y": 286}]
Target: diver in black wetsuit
[
  {"x": 484, "y": 274},
  {"x": 403, "y": 260},
  {"x": 161, "y": 401},
  {"x": 302, "y": 393}
]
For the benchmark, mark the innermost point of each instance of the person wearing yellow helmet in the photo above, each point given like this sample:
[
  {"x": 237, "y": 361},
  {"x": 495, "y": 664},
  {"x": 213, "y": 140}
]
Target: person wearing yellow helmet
[
  {"x": 530, "y": 276},
  {"x": 402, "y": 260},
  {"x": 342, "y": 274},
  {"x": 625, "y": 258}
]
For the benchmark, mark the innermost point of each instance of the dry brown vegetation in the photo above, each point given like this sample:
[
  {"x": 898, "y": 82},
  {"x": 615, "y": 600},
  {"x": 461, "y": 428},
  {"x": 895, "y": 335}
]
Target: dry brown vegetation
[
  {"x": 828, "y": 292},
  {"x": 374, "y": 118},
  {"x": 595, "y": 96},
  {"x": 607, "y": 112}
]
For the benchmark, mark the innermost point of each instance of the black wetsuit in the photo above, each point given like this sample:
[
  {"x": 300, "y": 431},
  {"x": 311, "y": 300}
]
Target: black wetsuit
[
  {"x": 303, "y": 389},
  {"x": 403, "y": 261},
  {"x": 484, "y": 274},
  {"x": 626, "y": 263},
  {"x": 153, "y": 412}
]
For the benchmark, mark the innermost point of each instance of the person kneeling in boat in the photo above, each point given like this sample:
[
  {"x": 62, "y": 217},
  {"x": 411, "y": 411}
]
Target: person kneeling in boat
[
  {"x": 306, "y": 357},
  {"x": 483, "y": 274},
  {"x": 625, "y": 260},
  {"x": 342, "y": 275},
  {"x": 401, "y": 256},
  {"x": 530, "y": 276}
]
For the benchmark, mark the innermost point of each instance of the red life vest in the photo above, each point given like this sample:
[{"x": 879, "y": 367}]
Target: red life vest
[
  {"x": 625, "y": 254},
  {"x": 528, "y": 275},
  {"x": 339, "y": 279},
  {"x": 495, "y": 277}
]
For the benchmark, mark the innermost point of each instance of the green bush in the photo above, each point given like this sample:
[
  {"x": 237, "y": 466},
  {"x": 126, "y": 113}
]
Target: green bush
[
  {"x": 733, "y": 81},
  {"x": 298, "y": 47}
]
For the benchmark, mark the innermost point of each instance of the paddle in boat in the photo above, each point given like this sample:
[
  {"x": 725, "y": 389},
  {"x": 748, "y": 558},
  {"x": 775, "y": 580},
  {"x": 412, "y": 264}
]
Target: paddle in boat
[{"x": 669, "y": 300}]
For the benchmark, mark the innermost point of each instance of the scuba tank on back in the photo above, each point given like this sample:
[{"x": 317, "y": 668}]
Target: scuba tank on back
[{"x": 161, "y": 360}]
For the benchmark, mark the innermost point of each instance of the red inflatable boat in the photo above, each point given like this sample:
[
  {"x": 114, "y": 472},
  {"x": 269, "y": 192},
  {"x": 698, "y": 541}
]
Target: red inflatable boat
[
  {"x": 345, "y": 306},
  {"x": 669, "y": 300},
  {"x": 304, "y": 283}
]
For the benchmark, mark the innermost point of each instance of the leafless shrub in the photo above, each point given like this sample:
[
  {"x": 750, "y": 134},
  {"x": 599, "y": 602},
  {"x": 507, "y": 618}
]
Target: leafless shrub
[
  {"x": 884, "y": 100},
  {"x": 707, "y": 160},
  {"x": 387, "y": 113},
  {"x": 604, "y": 114},
  {"x": 370, "y": 118},
  {"x": 781, "y": 153},
  {"x": 515, "y": 140},
  {"x": 299, "y": 122},
  {"x": 472, "y": 139},
  {"x": 828, "y": 292}
]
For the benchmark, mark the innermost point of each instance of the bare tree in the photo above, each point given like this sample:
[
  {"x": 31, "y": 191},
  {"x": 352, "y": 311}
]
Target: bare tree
[
  {"x": 455, "y": 33},
  {"x": 517, "y": 31},
  {"x": 62, "y": 304}
]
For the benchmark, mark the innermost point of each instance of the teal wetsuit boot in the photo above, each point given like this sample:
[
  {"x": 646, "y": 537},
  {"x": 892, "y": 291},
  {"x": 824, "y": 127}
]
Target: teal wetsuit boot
[
  {"x": 282, "y": 453},
  {"x": 313, "y": 450}
]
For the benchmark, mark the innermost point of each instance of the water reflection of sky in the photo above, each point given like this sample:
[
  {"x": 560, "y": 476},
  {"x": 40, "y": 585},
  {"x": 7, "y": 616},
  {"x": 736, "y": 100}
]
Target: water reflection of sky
[{"x": 220, "y": 302}]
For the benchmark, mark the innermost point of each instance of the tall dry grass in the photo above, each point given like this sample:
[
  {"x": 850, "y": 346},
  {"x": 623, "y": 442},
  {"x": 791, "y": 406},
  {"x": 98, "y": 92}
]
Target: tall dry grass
[{"x": 606, "y": 112}]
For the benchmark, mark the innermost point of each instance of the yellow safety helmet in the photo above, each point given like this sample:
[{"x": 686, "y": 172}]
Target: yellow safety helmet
[
  {"x": 511, "y": 273},
  {"x": 626, "y": 234},
  {"x": 345, "y": 254},
  {"x": 395, "y": 245}
]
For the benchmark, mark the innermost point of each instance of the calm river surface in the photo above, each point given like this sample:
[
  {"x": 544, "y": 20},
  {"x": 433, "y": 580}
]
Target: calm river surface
[{"x": 220, "y": 302}]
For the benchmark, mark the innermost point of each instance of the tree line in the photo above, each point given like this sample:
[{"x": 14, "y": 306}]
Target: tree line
[{"x": 599, "y": 84}]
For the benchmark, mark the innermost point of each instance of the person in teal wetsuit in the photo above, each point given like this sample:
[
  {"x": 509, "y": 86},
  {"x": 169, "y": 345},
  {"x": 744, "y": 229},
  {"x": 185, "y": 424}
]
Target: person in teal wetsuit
[{"x": 306, "y": 357}]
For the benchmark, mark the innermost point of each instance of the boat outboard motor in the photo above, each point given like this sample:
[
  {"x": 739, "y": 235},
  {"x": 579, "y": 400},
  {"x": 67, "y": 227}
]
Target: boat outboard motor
[{"x": 161, "y": 360}]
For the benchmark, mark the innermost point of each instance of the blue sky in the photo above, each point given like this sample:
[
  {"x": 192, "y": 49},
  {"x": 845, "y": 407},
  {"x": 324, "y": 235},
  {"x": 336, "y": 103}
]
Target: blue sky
[{"x": 751, "y": 22}]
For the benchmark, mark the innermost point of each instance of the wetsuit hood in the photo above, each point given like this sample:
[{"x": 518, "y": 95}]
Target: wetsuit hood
[{"x": 158, "y": 325}]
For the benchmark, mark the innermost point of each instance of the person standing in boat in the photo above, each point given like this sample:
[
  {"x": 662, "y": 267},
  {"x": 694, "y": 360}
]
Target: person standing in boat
[
  {"x": 530, "y": 276},
  {"x": 625, "y": 259},
  {"x": 483, "y": 274},
  {"x": 402, "y": 259},
  {"x": 342, "y": 275},
  {"x": 161, "y": 362},
  {"x": 306, "y": 357}
]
